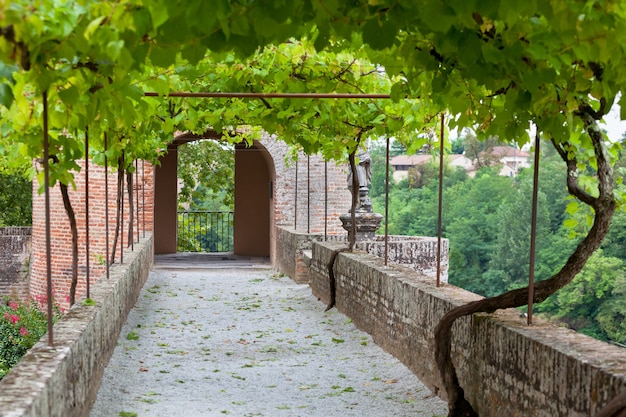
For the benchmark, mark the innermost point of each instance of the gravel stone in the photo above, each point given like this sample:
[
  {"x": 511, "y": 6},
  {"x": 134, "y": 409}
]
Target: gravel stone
[{"x": 235, "y": 338}]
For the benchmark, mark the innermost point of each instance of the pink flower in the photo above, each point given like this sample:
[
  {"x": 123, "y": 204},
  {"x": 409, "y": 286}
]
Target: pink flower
[
  {"x": 14, "y": 319},
  {"x": 23, "y": 331},
  {"x": 7, "y": 316},
  {"x": 14, "y": 306}
]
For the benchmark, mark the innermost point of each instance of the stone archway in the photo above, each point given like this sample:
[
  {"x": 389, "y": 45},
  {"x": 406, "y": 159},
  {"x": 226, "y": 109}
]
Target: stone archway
[
  {"x": 254, "y": 178},
  {"x": 307, "y": 195}
]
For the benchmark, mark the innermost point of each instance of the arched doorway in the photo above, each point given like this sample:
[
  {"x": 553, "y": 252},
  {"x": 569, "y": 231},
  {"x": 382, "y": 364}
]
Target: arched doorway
[{"x": 253, "y": 221}]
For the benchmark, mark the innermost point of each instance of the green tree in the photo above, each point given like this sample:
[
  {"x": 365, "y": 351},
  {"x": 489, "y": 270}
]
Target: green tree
[
  {"x": 509, "y": 263},
  {"x": 207, "y": 171},
  {"x": 472, "y": 227},
  {"x": 15, "y": 200},
  {"x": 598, "y": 288},
  {"x": 378, "y": 155},
  {"x": 611, "y": 315},
  {"x": 458, "y": 145}
]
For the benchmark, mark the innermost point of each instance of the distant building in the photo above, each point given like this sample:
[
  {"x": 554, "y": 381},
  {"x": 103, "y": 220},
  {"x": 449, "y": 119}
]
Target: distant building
[
  {"x": 510, "y": 158},
  {"x": 402, "y": 163}
]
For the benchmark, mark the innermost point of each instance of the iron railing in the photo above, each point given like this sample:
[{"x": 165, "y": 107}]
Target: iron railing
[{"x": 205, "y": 231}]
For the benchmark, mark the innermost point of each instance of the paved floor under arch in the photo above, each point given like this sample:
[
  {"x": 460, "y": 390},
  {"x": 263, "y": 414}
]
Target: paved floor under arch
[{"x": 214, "y": 336}]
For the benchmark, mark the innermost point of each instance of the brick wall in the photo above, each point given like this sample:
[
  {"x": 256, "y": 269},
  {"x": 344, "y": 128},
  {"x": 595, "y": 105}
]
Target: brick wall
[
  {"x": 505, "y": 367},
  {"x": 60, "y": 230},
  {"x": 306, "y": 213},
  {"x": 15, "y": 248},
  {"x": 290, "y": 246}
]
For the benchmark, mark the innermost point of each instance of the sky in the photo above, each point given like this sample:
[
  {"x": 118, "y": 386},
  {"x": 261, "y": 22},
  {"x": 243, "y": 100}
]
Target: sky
[{"x": 614, "y": 126}]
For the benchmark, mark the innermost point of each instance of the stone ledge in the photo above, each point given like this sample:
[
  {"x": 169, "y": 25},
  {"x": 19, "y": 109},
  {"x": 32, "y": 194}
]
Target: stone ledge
[{"x": 63, "y": 380}]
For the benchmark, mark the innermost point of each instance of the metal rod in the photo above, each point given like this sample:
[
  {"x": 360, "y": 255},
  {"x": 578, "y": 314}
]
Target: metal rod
[
  {"x": 131, "y": 235},
  {"x": 137, "y": 196},
  {"x": 46, "y": 170},
  {"x": 440, "y": 204},
  {"x": 267, "y": 95},
  {"x": 106, "y": 205},
  {"x": 325, "y": 201},
  {"x": 143, "y": 196},
  {"x": 87, "y": 254},
  {"x": 122, "y": 221},
  {"x": 387, "y": 202},
  {"x": 308, "y": 193},
  {"x": 533, "y": 232},
  {"x": 295, "y": 216}
]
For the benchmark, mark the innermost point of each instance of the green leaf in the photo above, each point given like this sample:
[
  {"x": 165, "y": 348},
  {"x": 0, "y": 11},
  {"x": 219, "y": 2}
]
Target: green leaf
[
  {"x": 163, "y": 56},
  {"x": 69, "y": 96},
  {"x": 6, "y": 95},
  {"x": 159, "y": 13},
  {"x": 378, "y": 35},
  {"x": 6, "y": 71},
  {"x": 93, "y": 26},
  {"x": 114, "y": 48},
  {"x": 622, "y": 109},
  {"x": 193, "y": 53},
  {"x": 572, "y": 207},
  {"x": 323, "y": 36},
  {"x": 397, "y": 91}
]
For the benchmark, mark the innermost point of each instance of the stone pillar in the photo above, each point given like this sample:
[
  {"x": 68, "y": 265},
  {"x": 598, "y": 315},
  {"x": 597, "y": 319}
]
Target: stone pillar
[{"x": 366, "y": 224}]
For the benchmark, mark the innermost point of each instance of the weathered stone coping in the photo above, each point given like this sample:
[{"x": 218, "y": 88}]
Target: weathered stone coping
[
  {"x": 505, "y": 367},
  {"x": 63, "y": 380},
  {"x": 293, "y": 250}
]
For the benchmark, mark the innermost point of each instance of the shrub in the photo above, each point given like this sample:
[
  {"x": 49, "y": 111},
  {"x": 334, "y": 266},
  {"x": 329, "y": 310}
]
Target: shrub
[{"x": 21, "y": 326}]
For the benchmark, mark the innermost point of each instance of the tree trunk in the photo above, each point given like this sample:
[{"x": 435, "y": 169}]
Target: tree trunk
[
  {"x": 615, "y": 408},
  {"x": 118, "y": 210},
  {"x": 131, "y": 207},
  {"x": 603, "y": 207},
  {"x": 74, "y": 230},
  {"x": 355, "y": 201}
]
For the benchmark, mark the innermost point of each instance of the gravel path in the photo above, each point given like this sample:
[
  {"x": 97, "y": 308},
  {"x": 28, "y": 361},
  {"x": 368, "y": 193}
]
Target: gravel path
[{"x": 239, "y": 340}]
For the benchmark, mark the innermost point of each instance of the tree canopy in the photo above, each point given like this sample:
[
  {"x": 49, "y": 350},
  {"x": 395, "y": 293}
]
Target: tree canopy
[{"x": 498, "y": 66}]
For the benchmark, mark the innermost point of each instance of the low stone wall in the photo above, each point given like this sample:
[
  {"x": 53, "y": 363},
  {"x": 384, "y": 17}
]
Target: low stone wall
[
  {"x": 289, "y": 257},
  {"x": 63, "y": 380},
  {"x": 15, "y": 249},
  {"x": 505, "y": 367},
  {"x": 416, "y": 252}
]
